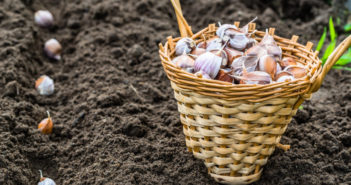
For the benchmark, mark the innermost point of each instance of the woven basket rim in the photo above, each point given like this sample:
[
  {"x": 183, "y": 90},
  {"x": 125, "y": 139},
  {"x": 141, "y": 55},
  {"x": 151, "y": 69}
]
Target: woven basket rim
[{"x": 214, "y": 88}]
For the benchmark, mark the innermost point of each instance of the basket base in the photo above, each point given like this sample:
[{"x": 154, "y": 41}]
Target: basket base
[{"x": 237, "y": 180}]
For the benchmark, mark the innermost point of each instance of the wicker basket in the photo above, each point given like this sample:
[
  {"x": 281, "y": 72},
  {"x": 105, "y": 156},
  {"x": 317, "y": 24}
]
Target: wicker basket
[{"x": 235, "y": 128}]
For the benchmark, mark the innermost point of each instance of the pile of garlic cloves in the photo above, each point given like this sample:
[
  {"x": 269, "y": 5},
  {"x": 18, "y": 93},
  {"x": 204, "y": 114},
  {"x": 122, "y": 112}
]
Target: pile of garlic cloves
[{"x": 233, "y": 56}]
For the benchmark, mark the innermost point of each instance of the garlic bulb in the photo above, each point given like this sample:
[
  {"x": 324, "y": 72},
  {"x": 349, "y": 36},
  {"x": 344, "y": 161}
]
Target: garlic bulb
[
  {"x": 44, "y": 85},
  {"x": 53, "y": 49},
  {"x": 43, "y": 18},
  {"x": 184, "y": 45},
  {"x": 268, "y": 64},
  {"x": 208, "y": 63},
  {"x": 45, "y": 180},
  {"x": 198, "y": 51}
]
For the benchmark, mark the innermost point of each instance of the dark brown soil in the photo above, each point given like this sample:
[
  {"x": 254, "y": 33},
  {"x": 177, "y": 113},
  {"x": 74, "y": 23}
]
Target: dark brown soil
[{"x": 116, "y": 121}]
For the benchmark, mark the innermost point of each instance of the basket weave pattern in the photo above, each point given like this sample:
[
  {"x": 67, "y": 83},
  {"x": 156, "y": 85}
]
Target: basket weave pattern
[{"x": 235, "y": 128}]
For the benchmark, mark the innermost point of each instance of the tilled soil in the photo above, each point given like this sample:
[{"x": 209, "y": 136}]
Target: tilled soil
[{"x": 115, "y": 118}]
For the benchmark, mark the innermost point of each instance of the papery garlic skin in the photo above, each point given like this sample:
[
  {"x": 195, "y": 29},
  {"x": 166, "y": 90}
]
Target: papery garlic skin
[
  {"x": 208, "y": 63},
  {"x": 47, "y": 181},
  {"x": 43, "y": 18},
  {"x": 184, "y": 46},
  {"x": 53, "y": 49},
  {"x": 45, "y": 85}
]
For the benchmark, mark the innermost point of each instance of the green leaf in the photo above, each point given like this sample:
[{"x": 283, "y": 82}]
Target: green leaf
[
  {"x": 328, "y": 51},
  {"x": 322, "y": 39},
  {"x": 344, "y": 59},
  {"x": 301, "y": 107},
  {"x": 347, "y": 27},
  {"x": 332, "y": 29}
]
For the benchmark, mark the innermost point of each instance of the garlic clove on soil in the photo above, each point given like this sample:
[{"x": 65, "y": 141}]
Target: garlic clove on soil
[
  {"x": 287, "y": 61},
  {"x": 184, "y": 45},
  {"x": 45, "y": 180},
  {"x": 296, "y": 71},
  {"x": 53, "y": 49},
  {"x": 45, "y": 85},
  {"x": 268, "y": 64},
  {"x": 43, "y": 18},
  {"x": 46, "y": 125},
  {"x": 208, "y": 63}
]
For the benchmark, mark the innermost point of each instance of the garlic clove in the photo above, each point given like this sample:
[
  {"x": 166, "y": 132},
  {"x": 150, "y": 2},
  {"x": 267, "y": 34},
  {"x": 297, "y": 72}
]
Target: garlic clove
[
  {"x": 296, "y": 71},
  {"x": 239, "y": 41},
  {"x": 44, "y": 85},
  {"x": 201, "y": 74},
  {"x": 232, "y": 54},
  {"x": 221, "y": 30},
  {"x": 53, "y": 49},
  {"x": 256, "y": 50},
  {"x": 268, "y": 64},
  {"x": 223, "y": 55},
  {"x": 184, "y": 45},
  {"x": 256, "y": 77},
  {"x": 282, "y": 73},
  {"x": 43, "y": 18},
  {"x": 198, "y": 51},
  {"x": 287, "y": 61},
  {"x": 45, "y": 180},
  {"x": 274, "y": 50},
  {"x": 224, "y": 75},
  {"x": 45, "y": 126},
  {"x": 208, "y": 63},
  {"x": 268, "y": 39},
  {"x": 183, "y": 61},
  {"x": 202, "y": 45},
  {"x": 245, "y": 28},
  {"x": 250, "y": 63},
  {"x": 285, "y": 79},
  {"x": 214, "y": 44}
]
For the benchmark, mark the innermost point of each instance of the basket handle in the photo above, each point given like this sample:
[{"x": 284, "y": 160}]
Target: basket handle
[
  {"x": 332, "y": 59},
  {"x": 184, "y": 28}
]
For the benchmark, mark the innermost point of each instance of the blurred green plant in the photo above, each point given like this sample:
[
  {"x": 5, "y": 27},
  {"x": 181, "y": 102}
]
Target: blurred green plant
[{"x": 344, "y": 59}]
